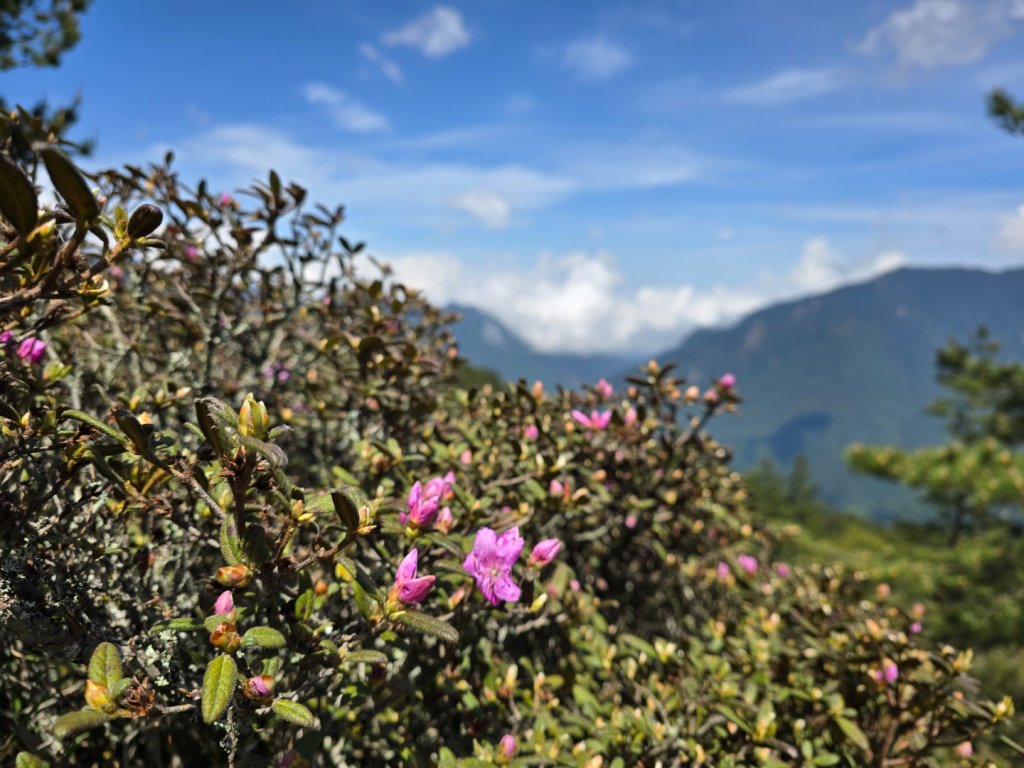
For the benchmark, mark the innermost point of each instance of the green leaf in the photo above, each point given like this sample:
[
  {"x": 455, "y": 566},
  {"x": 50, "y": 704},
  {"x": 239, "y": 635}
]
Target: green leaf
[
  {"x": 348, "y": 500},
  {"x": 219, "y": 683},
  {"x": 75, "y": 722},
  {"x": 105, "y": 665},
  {"x": 366, "y": 657},
  {"x": 853, "y": 732},
  {"x": 230, "y": 544},
  {"x": 428, "y": 625},
  {"x": 293, "y": 712},
  {"x": 17, "y": 198},
  {"x": 181, "y": 624},
  {"x": 69, "y": 182},
  {"x": 263, "y": 637},
  {"x": 28, "y": 760},
  {"x": 144, "y": 221},
  {"x": 304, "y": 605}
]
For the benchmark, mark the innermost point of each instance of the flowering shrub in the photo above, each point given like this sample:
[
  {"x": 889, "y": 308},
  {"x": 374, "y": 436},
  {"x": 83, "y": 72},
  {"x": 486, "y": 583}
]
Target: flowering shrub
[{"x": 207, "y": 560}]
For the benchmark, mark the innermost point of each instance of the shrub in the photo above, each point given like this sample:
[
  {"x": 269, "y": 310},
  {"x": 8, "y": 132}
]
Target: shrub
[{"x": 250, "y": 515}]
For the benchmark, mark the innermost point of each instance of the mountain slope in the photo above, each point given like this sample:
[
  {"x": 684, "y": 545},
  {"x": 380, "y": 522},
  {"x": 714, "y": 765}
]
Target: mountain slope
[
  {"x": 856, "y": 364},
  {"x": 486, "y": 343}
]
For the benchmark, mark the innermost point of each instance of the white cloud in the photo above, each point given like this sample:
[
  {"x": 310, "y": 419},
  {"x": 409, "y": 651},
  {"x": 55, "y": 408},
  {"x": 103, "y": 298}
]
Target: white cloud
[
  {"x": 348, "y": 113},
  {"x": 518, "y": 104},
  {"x": 789, "y": 86},
  {"x": 1011, "y": 232},
  {"x": 935, "y": 33},
  {"x": 437, "y": 33},
  {"x": 596, "y": 58},
  {"x": 490, "y": 208},
  {"x": 580, "y": 301},
  {"x": 389, "y": 68}
]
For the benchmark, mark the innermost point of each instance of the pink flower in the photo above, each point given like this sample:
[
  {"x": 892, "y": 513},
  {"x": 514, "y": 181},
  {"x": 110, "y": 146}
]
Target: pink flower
[
  {"x": 445, "y": 520},
  {"x": 748, "y": 563},
  {"x": 597, "y": 420},
  {"x": 723, "y": 570},
  {"x": 887, "y": 674},
  {"x": 225, "y": 199},
  {"x": 466, "y": 457},
  {"x": 630, "y": 418},
  {"x": 490, "y": 563},
  {"x": 6, "y": 337},
  {"x": 574, "y": 585},
  {"x": 711, "y": 397},
  {"x": 964, "y": 749},
  {"x": 192, "y": 253},
  {"x": 32, "y": 349},
  {"x": 225, "y": 604},
  {"x": 915, "y": 628},
  {"x": 604, "y": 389},
  {"x": 556, "y": 488},
  {"x": 631, "y": 521},
  {"x": 258, "y": 687},
  {"x": 783, "y": 570},
  {"x": 425, "y": 501},
  {"x": 408, "y": 588},
  {"x": 544, "y": 552},
  {"x": 531, "y": 432},
  {"x": 507, "y": 746},
  {"x": 727, "y": 381}
]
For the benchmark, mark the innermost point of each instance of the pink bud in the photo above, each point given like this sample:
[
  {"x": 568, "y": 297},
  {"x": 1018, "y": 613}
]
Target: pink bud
[
  {"x": 630, "y": 418},
  {"x": 711, "y": 396},
  {"x": 915, "y": 628},
  {"x": 964, "y": 749},
  {"x": 6, "y": 337},
  {"x": 692, "y": 393},
  {"x": 225, "y": 603},
  {"x": 544, "y": 552},
  {"x": 466, "y": 457},
  {"x": 507, "y": 746},
  {"x": 604, "y": 389},
  {"x": 631, "y": 522},
  {"x": 445, "y": 520},
  {"x": 225, "y": 199},
  {"x": 531, "y": 432},
  {"x": 748, "y": 563},
  {"x": 783, "y": 570},
  {"x": 414, "y": 590},
  {"x": 887, "y": 674},
  {"x": 723, "y": 570},
  {"x": 574, "y": 585},
  {"x": 192, "y": 253},
  {"x": 32, "y": 349},
  {"x": 258, "y": 687},
  {"x": 556, "y": 488},
  {"x": 728, "y": 381}
]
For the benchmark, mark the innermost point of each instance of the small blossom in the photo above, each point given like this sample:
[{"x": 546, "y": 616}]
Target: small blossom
[
  {"x": 6, "y": 337},
  {"x": 604, "y": 389},
  {"x": 723, "y": 570},
  {"x": 915, "y": 628},
  {"x": 597, "y": 420},
  {"x": 918, "y": 610},
  {"x": 964, "y": 749},
  {"x": 490, "y": 563},
  {"x": 556, "y": 488},
  {"x": 32, "y": 349},
  {"x": 466, "y": 457},
  {"x": 445, "y": 520},
  {"x": 574, "y": 585},
  {"x": 727, "y": 381},
  {"x": 225, "y": 604},
  {"x": 630, "y": 418},
  {"x": 748, "y": 563},
  {"x": 631, "y": 522},
  {"x": 887, "y": 674},
  {"x": 692, "y": 393},
  {"x": 711, "y": 396},
  {"x": 408, "y": 588},
  {"x": 192, "y": 253},
  {"x": 225, "y": 199},
  {"x": 531, "y": 432},
  {"x": 882, "y": 591},
  {"x": 424, "y": 501},
  {"x": 544, "y": 552},
  {"x": 783, "y": 570},
  {"x": 507, "y": 746}
]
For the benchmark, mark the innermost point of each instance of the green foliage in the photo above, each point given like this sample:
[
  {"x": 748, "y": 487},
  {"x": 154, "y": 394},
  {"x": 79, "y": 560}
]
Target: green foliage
[
  {"x": 1006, "y": 111},
  {"x": 37, "y": 31},
  {"x": 210, "y": 439}
]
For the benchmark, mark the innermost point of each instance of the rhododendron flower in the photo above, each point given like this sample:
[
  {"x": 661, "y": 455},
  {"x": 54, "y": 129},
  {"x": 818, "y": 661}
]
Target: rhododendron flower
[
  {"x": 723, "y": 570},
  {"x": 225, "y": 604},
  {"x": 783, "y": 570},
  {"x": 258, "y": 687},
  {"x": 597, "y": 420},
  {"x": 6, "y": 337},
  {"x": 531, "y": 432},
  {"x": 748, "y": 563},
  {"x": 604, "y": 389},
  {"x": 887, "y": 674},
  {"x": 630, "y": 418},
  {"x": 490, "y": 563},
  {"x": 408, "y": 588},
  {"x": 544, "y": 552},
  {"x": 915, "y": 628},
  {"x": 445, "y": 520},
  {"x": 32, "y": 349},
  {"x": 425, "y": 501},
  {"x": 507, "y": 746},
  {"x": 727, "y": 381}
]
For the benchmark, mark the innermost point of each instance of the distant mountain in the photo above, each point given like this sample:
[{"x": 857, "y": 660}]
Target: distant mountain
[
  {"x": 856, "y": 364},
  {"x": 486, "y": 343},
  {"x": 817, "y": 374}
]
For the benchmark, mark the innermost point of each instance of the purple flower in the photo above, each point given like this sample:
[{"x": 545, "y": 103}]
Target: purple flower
[
  {"x": 556, "y": 488},
  {"x": 408, "y": 588},
  {"x": 425, "y": 501},
  {"x": 32, "y": 349},
  {"x": 887, "y": 674},
  {"x": 507, "y": 746},
  {"x": 783, "y": 570},
  {"x": 604, "y": 389},
  {"x": 631, "y": 521},
  {"x": 727, "y": 381},
  {"x": 490, "y": 563},
  {"x": 597, "y": 420},
  {"x": 531, "y": 432},
  {"x": 6, "y": 337},
  {"x": 258, "y": 687},
  {"x": 915, "y": 628},
  {"x": 544, "y": 552},
  {"x": 748, "y": 563},
  {"x": 225, "y": 604},
  {"x": 723, "y": 570}
]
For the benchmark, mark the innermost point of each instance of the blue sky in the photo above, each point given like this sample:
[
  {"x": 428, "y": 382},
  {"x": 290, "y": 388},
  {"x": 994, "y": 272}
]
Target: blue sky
[{"x": 600, "y": 176}]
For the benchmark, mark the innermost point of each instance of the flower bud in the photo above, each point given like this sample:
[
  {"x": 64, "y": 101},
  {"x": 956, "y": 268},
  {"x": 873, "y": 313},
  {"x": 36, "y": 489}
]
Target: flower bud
[
  {"x": 233, "y": 576},
  {"x": 144, "y": 221},
  {"x": 692, "y": 393},
  {"x": 544, "y": 552},
  {"x": 258, "y": 688},
  {"x": 727, "y": 381},
  {"x": 97, "y": 696},
  {"x": 507, "y": 747},
  {"x": 225, "y": 604},
  {"x": 225, "y": 637},
  {"x": 252, "y": 418}
]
